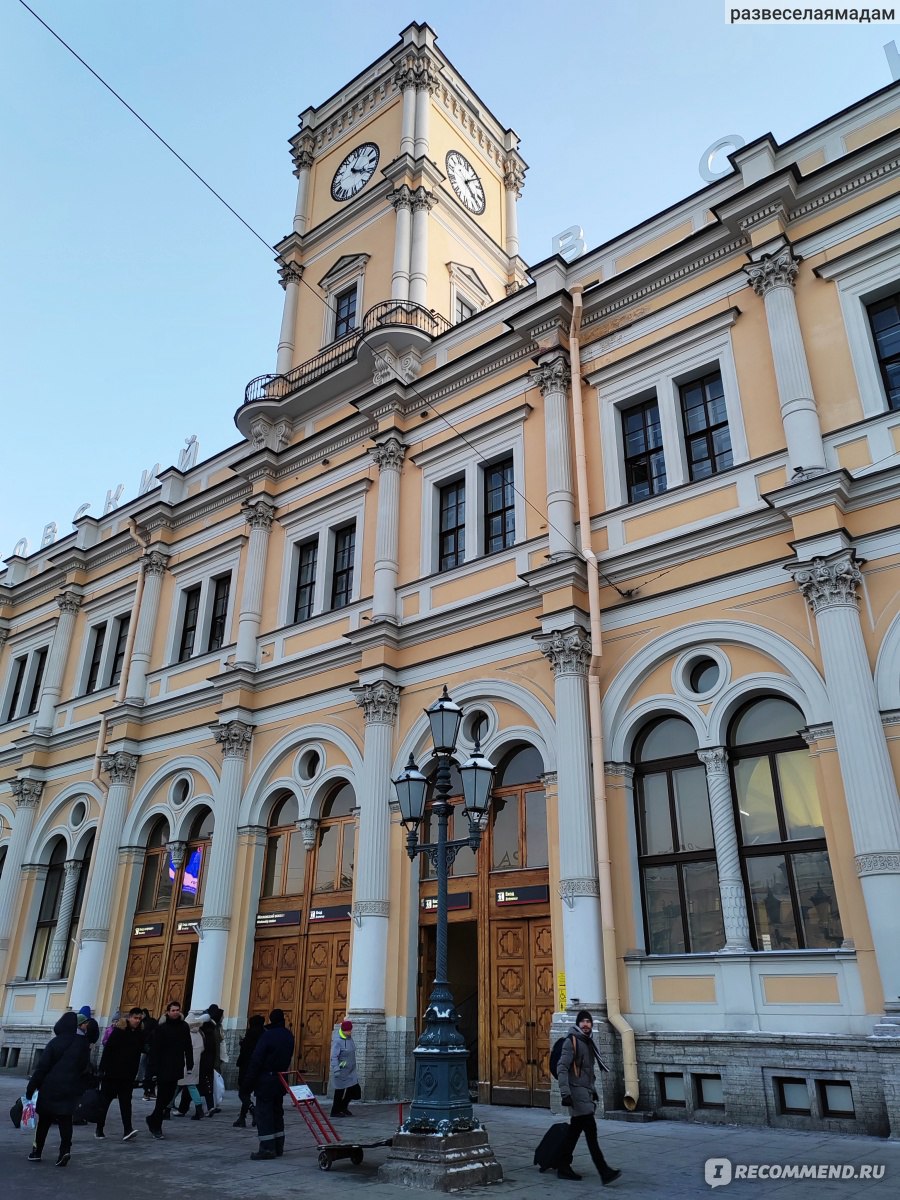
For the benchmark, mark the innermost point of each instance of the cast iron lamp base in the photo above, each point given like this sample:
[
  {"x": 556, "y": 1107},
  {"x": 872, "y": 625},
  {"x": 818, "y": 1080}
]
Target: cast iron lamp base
[{"x": 438, "y": 1162}]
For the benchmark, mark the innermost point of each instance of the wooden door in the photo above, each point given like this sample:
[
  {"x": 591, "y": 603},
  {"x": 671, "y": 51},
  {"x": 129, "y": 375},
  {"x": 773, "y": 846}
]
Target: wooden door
[
  {"x": 275, "y": 980},
  {"x": 180, "y": 974},
  {"x": 142, "y": 978},
  {"x": 521, "y": 1011},
  {"x": 324, "y": 1002}
]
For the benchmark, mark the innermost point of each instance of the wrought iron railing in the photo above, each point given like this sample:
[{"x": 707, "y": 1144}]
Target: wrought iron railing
[{"x": 388, "y": 312}]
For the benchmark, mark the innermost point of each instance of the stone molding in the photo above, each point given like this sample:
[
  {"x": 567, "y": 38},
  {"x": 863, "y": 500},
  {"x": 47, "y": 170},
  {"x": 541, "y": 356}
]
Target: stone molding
[
  {"x": 27, "y": 792},
  {"x": 390, "y": 365},
  {"x": 121, "y": 767},
  {"x": 552, "y": 375},
  {"x": 550, "y": 779},
  {"x": 569, "y": 651},
  {"x": 214, "y": 922},
  {"x": 233, "y": 739},
  {"x": 389, "y": 454},
  {"x": 379, "y": 701},
  {"x": 568, "y": 889},
  {"x": 371, "y": 908},
  {"x": 266, "y": 436},
  {"x": 95, "y": 935},
  {"x": 773, "y": 270},
  {"x": 625, "y": 770},
  {"x": 883, "y": 862},
  {"x": 817, "y": 733},
  {"x": 829, "y": 582},
  {"x": 259, "y": 513}
]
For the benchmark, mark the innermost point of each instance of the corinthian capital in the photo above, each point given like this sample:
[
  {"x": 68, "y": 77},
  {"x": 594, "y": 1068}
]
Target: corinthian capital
[
  {"x": 27, "y": 792},
  {"x": 513, "y": 176},
  {"x": 773, "y": 270},
  {"x": 154, "y": 563},
  {"x": 289, "y": 272},
  {"x": 715, "y": 759},
  {"x": 302, "y": 154},
  {"x": 829, "y": 582},
  {"x": 401, "y": 197},
  {"x": 423, "y": 199},
  {"x": 569, "y": 650},
  {"x": 233, "y": 739},
  {"x": 68, "y": 602},
  {"x": 259, "y": 513},
  {"x": 379, "y": 702},
  {"x": 552, "y": 375},
  {"x": 120, "y": 767},
  {"x": 389, "y": 454}
]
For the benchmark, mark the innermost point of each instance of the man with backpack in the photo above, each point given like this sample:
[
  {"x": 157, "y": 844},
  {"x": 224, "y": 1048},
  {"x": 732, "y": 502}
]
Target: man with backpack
[{"x": 577, "y": 1086}]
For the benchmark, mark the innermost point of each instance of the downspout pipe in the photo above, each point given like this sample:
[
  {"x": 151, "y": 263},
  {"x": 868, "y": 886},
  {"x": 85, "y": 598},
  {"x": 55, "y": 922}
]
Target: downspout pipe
[{"x": 601, "y": 824}]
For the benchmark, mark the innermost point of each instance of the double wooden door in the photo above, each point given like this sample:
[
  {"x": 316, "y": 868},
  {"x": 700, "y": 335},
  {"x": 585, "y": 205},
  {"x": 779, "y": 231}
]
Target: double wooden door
[
  {"x": 522, "y": 998},
  {"x": 158, "y": 972}
]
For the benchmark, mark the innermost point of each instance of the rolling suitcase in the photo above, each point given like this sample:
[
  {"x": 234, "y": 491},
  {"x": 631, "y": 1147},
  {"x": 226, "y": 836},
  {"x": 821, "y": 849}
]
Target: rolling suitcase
[{"x": 551, "y": 1146}]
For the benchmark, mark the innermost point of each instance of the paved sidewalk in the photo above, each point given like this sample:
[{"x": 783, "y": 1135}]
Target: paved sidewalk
[{"x": 209, "y": 1160}]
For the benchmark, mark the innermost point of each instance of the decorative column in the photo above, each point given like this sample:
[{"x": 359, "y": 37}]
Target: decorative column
[
  {"x": 121, "y": 768},
  {"x": 406, "y": 82},
  {"x": 830, "y": 586},
  {"x": 728, "y": 859},
  {"x": 154, "y": 567},
  {"x": 259, "y": 513},
  {"x": 569, "y": 652},
  {"x": 552, "y": 377},
  {"x": 27, "y": 795},
  {"x": 388, "y": 454},
  {"x": 303, "y": 161},
  {"x": 773, "y": 277},
  {"x": 422, "y": 203},
  {"x": 57, "y": 956},
  {"x": 289, "y": 276},
  {"x": 209, "y": 978},
  {"x": 69, "y": 603},
  {"x": 401, "y": 199},
  {"x": 309, "y": 830},
  {"x": 371, "y": 908},
  {"x": 426, "y": 76},
  {"x": 513, "y": 182}
]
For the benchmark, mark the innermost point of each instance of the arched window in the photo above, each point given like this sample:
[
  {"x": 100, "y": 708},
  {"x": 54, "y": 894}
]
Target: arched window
[
  {"x": 519, "y": 813},
  {"x": 156, "y": 885},
  {"x": 2, "y": 860},
  {"x": 790, "y": 889},
  {"x": 676, "y": 854},
  {"x": 61, "y": 900},
  {"x": 192, "y": 881},
  {"x": 337, "y": 842},
  {"x": 465, "y": 862},
  {"x": 284, "y": 873}
]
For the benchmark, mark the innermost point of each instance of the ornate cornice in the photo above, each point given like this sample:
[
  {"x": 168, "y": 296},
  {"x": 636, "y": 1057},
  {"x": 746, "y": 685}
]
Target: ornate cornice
[
  {"x": 616, "y": 769},
  {"x": 773, "y": 270},
  {"x": 154, "y": 563},
  {"x": 817, "y": 733},
  {"x": 829, "y": 582},
  {"x": 371, "y": 908},
  {"x": 389, "y": 454},
  {"x": 308, "y": 827},
  {"x": 844, "y": 189},
  {"x": 715, "y": 759},
  {"x": 68, "y": 602},
  {"x": 552, "y": 375},
  {"x": 233, "y": 739},
  {"x": 289, "y": 272},
  {"x": 379, "y": 702},
  {"x": 259, "y": 513},
  {"x": 569, "y": 651},
  {"x": 121, "y": 767},
  {"x": 884, "y": 862},
  {"x": 27, "y": 792}
]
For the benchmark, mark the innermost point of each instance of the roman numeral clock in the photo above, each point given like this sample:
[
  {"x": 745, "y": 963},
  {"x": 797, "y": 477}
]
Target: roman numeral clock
[{"x": 355, "y": 171}]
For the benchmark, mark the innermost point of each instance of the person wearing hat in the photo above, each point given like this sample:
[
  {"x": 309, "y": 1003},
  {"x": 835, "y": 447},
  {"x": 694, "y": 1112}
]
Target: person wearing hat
[
  {"x": 87, "y": 1026},
  {"x": 274, "y": 1053},
  {"x": 344, "y": 1076},
  {"x": 577, "y": 1087}
]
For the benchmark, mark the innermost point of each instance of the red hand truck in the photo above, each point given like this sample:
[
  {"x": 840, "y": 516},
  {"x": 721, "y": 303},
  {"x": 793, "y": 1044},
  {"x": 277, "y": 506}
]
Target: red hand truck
[{"x": 324, "y": 1134}]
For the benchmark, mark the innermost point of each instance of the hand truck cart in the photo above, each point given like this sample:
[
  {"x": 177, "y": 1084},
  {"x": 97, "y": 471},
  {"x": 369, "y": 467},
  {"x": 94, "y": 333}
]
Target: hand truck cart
[{"x": 327, "y": 1139}]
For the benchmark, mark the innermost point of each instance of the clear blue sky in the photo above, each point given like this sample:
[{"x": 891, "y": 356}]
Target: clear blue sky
[{"x": 135, "y": 308}]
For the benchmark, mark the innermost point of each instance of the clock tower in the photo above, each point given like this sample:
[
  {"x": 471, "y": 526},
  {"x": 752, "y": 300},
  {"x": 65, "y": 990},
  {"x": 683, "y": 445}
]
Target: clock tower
[{"x": 406, "y": 203}]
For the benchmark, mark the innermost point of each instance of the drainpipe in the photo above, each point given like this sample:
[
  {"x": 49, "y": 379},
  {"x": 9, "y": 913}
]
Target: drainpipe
[{"x": 610, "y": 956}]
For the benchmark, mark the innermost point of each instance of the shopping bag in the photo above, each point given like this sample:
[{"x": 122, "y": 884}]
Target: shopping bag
[
  {"x": 218, "y": 1089},
  {"x": 90, "y": 1107},
  {"x": 29, "y": 1112},
  {"x": 15, "y": 1113}
]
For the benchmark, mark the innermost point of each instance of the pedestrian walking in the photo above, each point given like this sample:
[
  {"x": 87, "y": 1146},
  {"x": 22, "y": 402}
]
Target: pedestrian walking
[
  {"x": 220, "y": 1051},
  {"x": 344, "y": 1076},
  {"x": 58, "y": 1079},
  {"x": 145, "y": 1079},
  {"x": 274, "y": 1052},
  {"x": 171, "y": 1057},
  {"x": 190, "y": 1082},
  {"x": 87, "y": 1026},
  {"x": 119, "y": 1065},
  {"x": 248, "y": 1044},
  {"x": 577, "y": 1086}
]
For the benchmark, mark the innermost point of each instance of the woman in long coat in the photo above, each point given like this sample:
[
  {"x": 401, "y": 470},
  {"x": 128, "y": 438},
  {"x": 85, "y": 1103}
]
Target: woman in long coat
[
  {"x": 59, "y": 1082},
  {"x": 344, "y": 1076},
  {"x": 192, "y": 1081}
]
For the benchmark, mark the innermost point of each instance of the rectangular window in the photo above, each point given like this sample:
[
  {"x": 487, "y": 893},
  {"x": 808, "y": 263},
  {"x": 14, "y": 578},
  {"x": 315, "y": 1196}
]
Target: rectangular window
[
  {"x": 304, "y": 596},
  {"x": 98, "y": 637},
  {"x": 118, "y": 658},
  {"x": 835, "y": 1098},
  {"x": 189, "y": 623},
  {"x": 452, "y": 528},
  {"x": 884, "y": 318},
  {"x": 17, "y": 678},
  {"x": 221, "y": 589},
  {"x": 499, "y": 507},
  {"x": 464, "y": 310},
  {"x": 792, "y": 1096},
  {"x": 671, "y": 1089},
  {"x": 706, "y": 436},
  {"x": 645, "y": 464},
  {"x": 709, "y": 1091},
  {"x": 35, "y": 695},
  {"x": 345, "y": 312},
  {"x": 342, "y": 573}
]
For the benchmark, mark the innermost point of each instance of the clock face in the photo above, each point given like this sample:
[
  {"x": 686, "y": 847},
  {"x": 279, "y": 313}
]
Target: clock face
[
  {"x": 355, "y": 171},
  {"x": 465, "y": 181}
]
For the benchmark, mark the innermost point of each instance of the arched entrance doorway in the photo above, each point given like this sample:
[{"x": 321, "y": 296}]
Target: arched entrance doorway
[
  {"x": 499, "y": 942},
  {"x": 301, "y": 955}
]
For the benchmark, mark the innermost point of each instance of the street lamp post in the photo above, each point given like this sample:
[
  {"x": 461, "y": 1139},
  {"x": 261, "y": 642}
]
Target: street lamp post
[{"x": 441, "y": 1102}]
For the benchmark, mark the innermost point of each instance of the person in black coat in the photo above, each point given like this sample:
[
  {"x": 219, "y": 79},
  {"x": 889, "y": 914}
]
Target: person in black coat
[
  {"x": 147, "y": 1026},
  {"x": 171, "y": 1057},
  {"x": 59, "y": 1080},
  {"x": 119, "y": 1066},
  {"x": 248, "y": 1044},
  {"x": 274, "y": 1052}
]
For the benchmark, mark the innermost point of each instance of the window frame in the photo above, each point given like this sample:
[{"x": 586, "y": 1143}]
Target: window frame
[
  {"x": 455, "y": 532},
  {"x": 708, "y": 431},
  {"x": 503, "y": 510},
  {"x": 309, "y": 584},
  {"x": 106, "y": 634},
  {"x": 203, "y": 571},
  {"x": 339, "y": 280},
  {"x": 648, "y": 453},
  {"x": 345, "y": 322},
  {"x": 22, "y": 687},
  {"x": 341, "y": 573},
  {"x": 882, "y": 363}
]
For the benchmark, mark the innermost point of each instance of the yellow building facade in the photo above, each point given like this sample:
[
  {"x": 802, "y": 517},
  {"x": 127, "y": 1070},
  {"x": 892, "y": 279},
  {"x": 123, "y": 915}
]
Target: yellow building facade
[{"x": 638, "y": 511}]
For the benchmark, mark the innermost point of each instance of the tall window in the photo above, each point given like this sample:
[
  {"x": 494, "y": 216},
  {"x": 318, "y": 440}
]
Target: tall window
[
  {"x": 336, "y": 842},
  {"x": 519, "y": 814},
  {"x": 162, "y": 880},
  {"x": 676, "y": 855},
  {"x": 305, "y": 593},
  {"x": 342, "y": 572},
  {"x": 23, "y": 691},
  {"x": 452, "y": 528},
  {"x": 499, "y": 506},
  {"x": 221, "y": 589},
  {"x": 45, "y": 932},
  {"x": 284, "y": 873},
  {"x": 204, "y": 617},
  {"x": 464, "y": 309},
  {"x": 106, "y": 657},
  {"x": 884, "y": 317},
  {"x": 118, "y": 657},
  {"x": 790, "y": 888},
  {"x": 705, "y": 418},
  {"x": 345, "y": 312},
  {"x": 189, "y": 623},
  {"x": 98, "y": 637},
  {"x": 645, "y": 464}
]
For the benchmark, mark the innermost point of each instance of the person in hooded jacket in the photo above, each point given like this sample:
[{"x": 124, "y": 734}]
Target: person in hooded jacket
[
  {"x": 274, "y": 1052},
  {"x": 171, "y": 1057},
  {"x": 118, "y": 1069},
  {"x": 191, "y": 1082},
  {"x": 344, "y": 1075},
  {"x": 248, "y": 1043},
  {"x": 58, "y": 1079},
  {"x": 577, "y": 1087}
]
